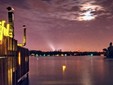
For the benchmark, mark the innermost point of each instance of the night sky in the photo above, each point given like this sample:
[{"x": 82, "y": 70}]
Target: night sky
[{"x": 70, "y": 25}]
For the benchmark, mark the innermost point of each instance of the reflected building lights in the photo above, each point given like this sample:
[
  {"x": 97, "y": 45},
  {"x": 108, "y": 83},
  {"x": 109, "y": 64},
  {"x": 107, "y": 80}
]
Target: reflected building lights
[
  {"x": 10, "y": 71},
  {"x": 64, "y": 68}
]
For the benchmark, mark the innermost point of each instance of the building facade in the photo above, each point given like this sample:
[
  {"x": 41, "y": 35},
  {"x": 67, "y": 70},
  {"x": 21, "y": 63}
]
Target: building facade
[{"x": 14, "y": 59}]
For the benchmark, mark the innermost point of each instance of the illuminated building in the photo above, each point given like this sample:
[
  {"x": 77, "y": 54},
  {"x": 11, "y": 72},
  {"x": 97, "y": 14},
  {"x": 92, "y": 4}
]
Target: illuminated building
[{"x": 14, "y": 59}]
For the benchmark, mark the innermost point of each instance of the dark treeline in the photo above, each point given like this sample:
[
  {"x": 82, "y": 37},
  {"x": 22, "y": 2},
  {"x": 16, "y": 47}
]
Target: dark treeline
[{"x": 63, "y": 53}]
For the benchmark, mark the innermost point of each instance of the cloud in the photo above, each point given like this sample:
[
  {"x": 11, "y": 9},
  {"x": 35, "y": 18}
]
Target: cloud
[
  {"x": 64, "y": 9},
  {"x": 15, "y": 3},
  {"x": 73, "y": 9}
]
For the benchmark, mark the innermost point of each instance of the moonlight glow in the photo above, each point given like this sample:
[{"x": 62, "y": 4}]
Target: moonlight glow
[
  {"x": 88, "y": 12},
  {"x": 86, "y": 16}
]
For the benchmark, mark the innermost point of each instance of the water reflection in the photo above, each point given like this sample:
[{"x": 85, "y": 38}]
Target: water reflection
[
  {"x": 63, "y": 68},
  {"x": 75, "y": 70}
]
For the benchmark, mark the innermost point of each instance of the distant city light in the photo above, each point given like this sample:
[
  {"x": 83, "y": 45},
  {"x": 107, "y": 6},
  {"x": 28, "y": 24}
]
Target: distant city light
[{"x": 51, "y": 46}]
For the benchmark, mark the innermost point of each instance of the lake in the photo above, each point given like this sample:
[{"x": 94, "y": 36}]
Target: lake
[{"x": 71, "y": 70}]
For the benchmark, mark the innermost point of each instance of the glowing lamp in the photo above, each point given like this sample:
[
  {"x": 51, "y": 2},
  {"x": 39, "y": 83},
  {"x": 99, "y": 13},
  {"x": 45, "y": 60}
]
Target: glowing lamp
[{"x": 19, "y": 58}]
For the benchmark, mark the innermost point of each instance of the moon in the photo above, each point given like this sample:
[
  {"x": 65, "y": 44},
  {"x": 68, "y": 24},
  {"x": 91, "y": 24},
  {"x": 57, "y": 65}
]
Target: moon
[
  {"x": 88, "y": 12},
  {"x": 87, "y": 16}
]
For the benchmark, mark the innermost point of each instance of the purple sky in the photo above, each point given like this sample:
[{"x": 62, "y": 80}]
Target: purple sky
[{"x": 85, "y": 25}]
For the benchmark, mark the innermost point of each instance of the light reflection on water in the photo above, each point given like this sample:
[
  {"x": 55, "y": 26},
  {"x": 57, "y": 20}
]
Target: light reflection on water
[{"x": 74, "y": 70}]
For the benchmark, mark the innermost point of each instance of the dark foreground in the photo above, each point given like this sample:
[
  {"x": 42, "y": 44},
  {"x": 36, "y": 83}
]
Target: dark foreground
[{"x": 75, "y": 70}]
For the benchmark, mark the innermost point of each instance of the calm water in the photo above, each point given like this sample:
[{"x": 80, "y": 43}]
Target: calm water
[{"x": 74, "y": 70}]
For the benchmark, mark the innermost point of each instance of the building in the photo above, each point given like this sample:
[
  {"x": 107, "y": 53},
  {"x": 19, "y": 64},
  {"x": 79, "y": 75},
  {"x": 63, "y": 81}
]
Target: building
[{"x": 14, "y": 59}]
